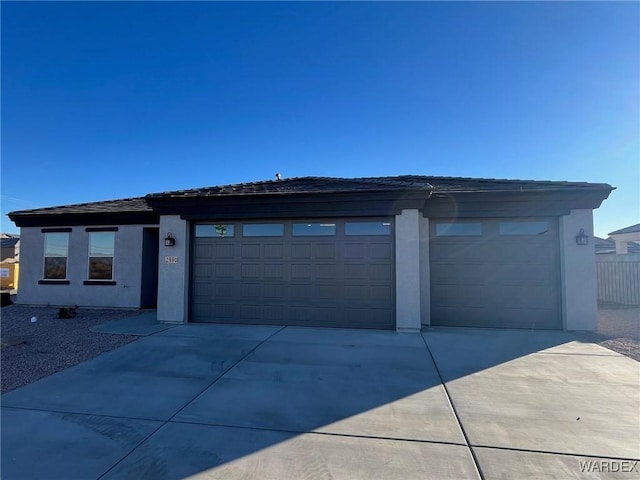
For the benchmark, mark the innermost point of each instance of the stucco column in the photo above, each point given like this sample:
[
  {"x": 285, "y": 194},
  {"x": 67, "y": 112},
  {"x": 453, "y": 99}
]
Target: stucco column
[
  {"x": 408, "y": 271},
  {"x": 578, "y": 272},
  {"x": 622, "y": 247},
  {"x": 173, "y": 271},
  {"x": 425, "y": 275}
]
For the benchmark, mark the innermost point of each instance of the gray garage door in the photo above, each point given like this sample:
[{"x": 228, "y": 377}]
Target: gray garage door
[
  {"x": 495, "y": 273},
  {"x": 337, "y": 273}
]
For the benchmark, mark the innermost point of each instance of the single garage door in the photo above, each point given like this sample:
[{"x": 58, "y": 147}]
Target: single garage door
[
  {"x": 337, "y": 273},
  {"x": 495, "y": 273}
]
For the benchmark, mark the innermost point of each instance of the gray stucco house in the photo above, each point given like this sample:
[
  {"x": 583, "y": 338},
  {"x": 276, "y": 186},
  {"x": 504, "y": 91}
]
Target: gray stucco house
[{"x": 388, "y": 252}]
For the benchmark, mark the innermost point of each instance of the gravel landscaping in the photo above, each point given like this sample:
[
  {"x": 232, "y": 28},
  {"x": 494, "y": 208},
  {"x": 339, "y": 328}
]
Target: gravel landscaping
[
  {"x": 31, "y": 351},
  {"x": 618, "y": 330}
]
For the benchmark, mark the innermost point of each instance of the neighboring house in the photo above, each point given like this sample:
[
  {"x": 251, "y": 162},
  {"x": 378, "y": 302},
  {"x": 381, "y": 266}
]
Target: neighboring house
[
  {"x": 618, "y": 267},
  {"x": 624, "y": 237},
  {"x": 9, "y": 247},
  {"x": 606, "y": 246},
  {"x": 10, "y": 256},
  {"x": 389, "y": 252}
]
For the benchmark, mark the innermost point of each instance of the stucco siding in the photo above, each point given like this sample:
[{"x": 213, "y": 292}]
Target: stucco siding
[
  {"x": 127, "y": 270},
  {"x": 173, "y": 271},
  {"x": 578, "y": 267}
]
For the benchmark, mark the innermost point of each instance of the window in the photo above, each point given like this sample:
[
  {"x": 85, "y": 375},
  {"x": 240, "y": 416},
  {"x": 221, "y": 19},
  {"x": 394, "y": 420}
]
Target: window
[
  {"x": 56, "y": 248},
  {"x": 367, "y": 228},
  {"x": 314, "y": 229},
  {"x": 214, "y": 230},
  {"x": 458, "y": 229},
  {"x": 262, "y": 230},
  {"x": 101, "y": 248},
  {"x": 524, "y": 228}
]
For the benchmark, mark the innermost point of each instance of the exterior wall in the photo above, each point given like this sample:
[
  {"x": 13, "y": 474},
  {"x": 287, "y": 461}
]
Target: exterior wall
[
  {"x": 127, "y": 271},
  {"x": 408, "y": 297},
  {"x": 578, "y": 272},
  {"x": 425, "y": 273},
  {"x": 173, "y": 271}
]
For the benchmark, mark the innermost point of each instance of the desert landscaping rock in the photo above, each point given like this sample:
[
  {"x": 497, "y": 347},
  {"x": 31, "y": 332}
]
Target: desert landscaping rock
[{"x": 33, "y": 350}]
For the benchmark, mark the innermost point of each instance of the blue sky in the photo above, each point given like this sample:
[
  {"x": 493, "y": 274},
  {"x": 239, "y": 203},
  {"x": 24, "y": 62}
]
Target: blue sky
[{"x": 116, "y": 99}]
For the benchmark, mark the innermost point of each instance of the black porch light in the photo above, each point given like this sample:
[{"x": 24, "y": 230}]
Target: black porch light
[
  {"x": 169, "y": 241},
  {"x": 582, "y": 238}
]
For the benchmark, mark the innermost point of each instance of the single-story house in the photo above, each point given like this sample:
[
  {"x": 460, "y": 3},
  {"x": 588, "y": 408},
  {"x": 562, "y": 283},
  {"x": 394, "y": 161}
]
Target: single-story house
[
  {"x": 625, "y": 238},
  {"x": 606, "y": 246},
  {"x": 397, "y": 252}
]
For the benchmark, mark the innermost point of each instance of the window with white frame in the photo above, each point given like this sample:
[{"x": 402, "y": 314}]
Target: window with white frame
[
  {"x": 101, "y": 252},
  {"x": 56, "y": 251}
]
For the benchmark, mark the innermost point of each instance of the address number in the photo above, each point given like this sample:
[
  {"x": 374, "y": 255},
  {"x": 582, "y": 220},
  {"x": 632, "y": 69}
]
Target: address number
[{"x": 170, "y": 259}]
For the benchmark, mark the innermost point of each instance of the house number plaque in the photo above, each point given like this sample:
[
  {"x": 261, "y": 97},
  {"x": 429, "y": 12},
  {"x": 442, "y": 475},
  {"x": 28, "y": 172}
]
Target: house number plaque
[{"x": 169, "y": 259}]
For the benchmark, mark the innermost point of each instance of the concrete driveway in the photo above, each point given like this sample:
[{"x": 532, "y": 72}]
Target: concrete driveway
[{"x": 230, "y": 402}]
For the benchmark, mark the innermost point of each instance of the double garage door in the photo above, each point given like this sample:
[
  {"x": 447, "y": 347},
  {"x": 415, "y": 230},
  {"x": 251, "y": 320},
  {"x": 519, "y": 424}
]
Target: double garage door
[
  {"x": 334, "y": 272},
  {"x": 495, "y": 273}
]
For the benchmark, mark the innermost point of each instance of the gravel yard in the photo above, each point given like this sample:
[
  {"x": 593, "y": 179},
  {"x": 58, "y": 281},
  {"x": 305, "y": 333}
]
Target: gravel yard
[
  {"x": 31, "y": 351},
  {"x": 618, "y": 330}
]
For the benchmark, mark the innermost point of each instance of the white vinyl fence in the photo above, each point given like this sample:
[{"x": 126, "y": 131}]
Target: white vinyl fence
[{"x": 618, "y": 278}]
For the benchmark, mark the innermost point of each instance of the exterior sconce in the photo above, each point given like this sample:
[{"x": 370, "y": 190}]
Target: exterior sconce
[
  {"x": 169, "y": 241},
  {"x": 582, "y": 238}
]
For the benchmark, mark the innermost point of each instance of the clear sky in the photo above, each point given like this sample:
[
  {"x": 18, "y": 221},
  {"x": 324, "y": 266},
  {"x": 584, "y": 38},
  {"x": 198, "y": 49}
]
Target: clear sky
[{"x": 112, "y": 100}]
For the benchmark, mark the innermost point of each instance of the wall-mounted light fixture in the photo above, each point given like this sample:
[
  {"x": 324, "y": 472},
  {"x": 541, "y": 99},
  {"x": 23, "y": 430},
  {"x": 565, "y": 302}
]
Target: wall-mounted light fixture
[
  {"x": 582, "y": 238},
  {"x": 169, "y": 241}
]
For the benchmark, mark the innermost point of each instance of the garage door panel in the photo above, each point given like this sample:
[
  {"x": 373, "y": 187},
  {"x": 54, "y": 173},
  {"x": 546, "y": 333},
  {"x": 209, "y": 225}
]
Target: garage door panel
[
  {"x": 326, "y": 272},
  {"x": 450, "y": 275},
  {"x": 301, "y": 251},
  {"x": 274, "y": 251},
  {"x": 251, "y": 312},
  {"x": 222, "y": 311},
  {"x": 274, "y": 291},
  {"x": 250, "y": 290},
  {"x": 204, "y": 251},
  {"x": 496, "y": 280},
  {"x": 324, "y": 251},
  {"x": 251, "y": 250},
  {"x": 250, "y": 271},
  {"x": 224, "y": 290},
  {"x": 300, "y": 271},
  {"x": 368, "y": 317},
  {"x": 456, "y": 254},
  {"x": 224, "y": 251},
  {"x": 380, "y": 272},
  {"x": 203, "y": 270},
  {"x": 323, "y": 280},
  {"x": 274, "y": 271},
  {"x": 224, "y": 270},
  {"x": 353, "y": 251}
]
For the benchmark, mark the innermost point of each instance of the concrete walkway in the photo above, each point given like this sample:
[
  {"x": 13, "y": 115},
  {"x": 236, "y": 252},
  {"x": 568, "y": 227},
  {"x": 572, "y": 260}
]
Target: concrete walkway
[{"x": 214, "y": 401}]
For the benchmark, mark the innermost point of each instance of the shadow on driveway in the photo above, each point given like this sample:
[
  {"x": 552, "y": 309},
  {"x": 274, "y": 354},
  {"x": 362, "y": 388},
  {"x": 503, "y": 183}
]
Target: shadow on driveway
[{"x": 269, "y": 402}]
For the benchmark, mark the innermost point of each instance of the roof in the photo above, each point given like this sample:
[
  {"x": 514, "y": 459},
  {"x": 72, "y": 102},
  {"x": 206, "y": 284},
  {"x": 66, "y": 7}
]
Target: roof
[
  {"x": 301, "y": 185},
  {"x": 110, "y": 206},
  {"x": 632, "y": 229},
  {"x": 9, "y": 242},
  {"x": 141, "y": 209},
  {"x": 603, "y": 246}
]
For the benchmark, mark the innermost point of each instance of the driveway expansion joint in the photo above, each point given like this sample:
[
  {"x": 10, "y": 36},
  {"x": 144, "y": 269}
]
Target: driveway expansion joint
[
  {"x": 165, "y": 422},
  {"x": 312, "y": 432},
  {"x": 454, "y": 411},
  {"x": 563, "y": 454}
]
